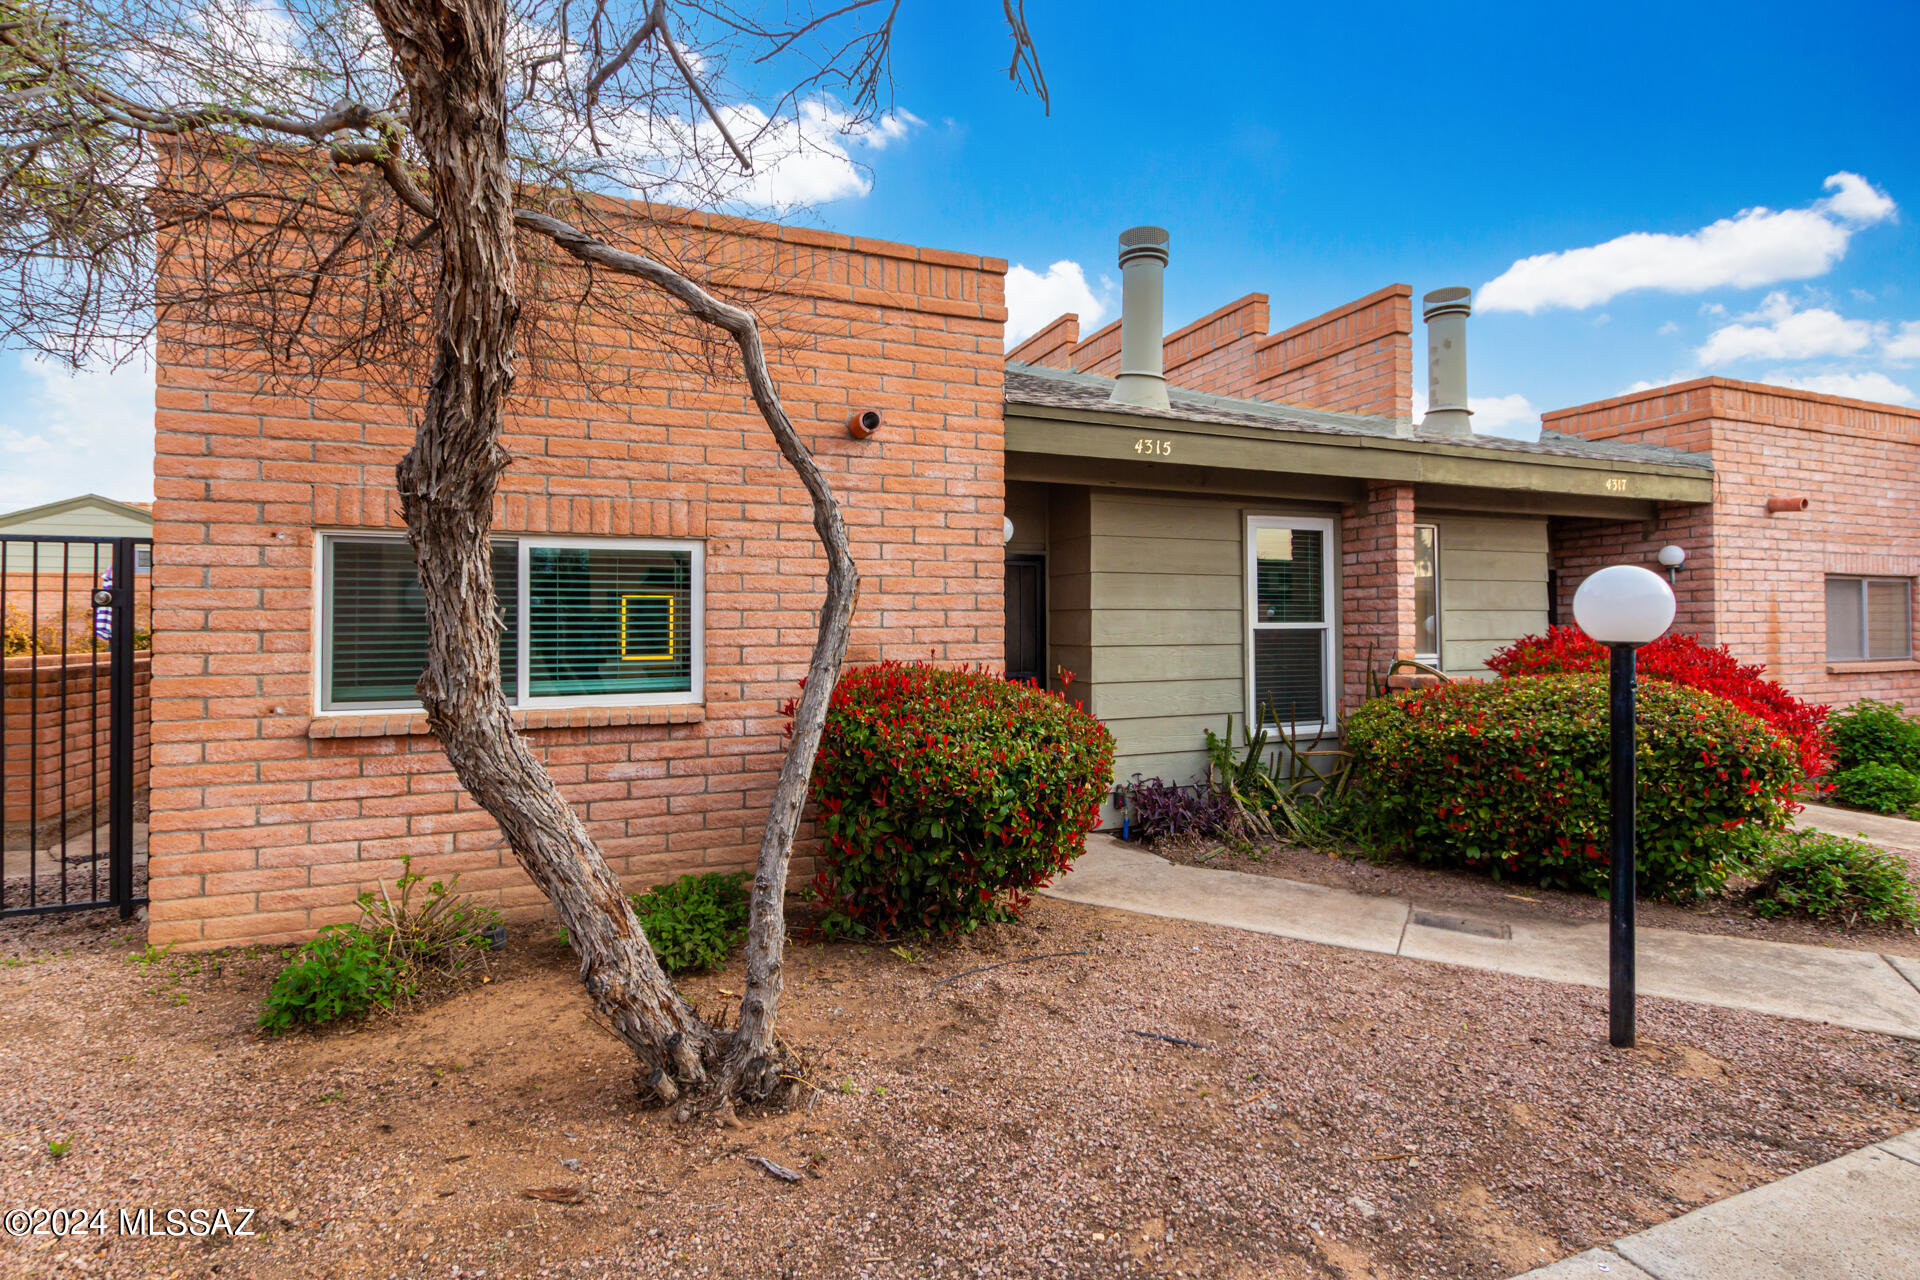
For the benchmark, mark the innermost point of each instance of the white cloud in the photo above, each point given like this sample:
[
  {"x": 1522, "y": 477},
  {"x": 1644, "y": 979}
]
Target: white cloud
[
  {"x": 63, "y": 434},
  {"x": 1784, "y": 333},
  {"x": 1511, "y": 417},
  {"x": 1857, "y": 386},
  {"x": 1034, "y": 299},
  {"x": 1755, "y": 247},
  {"x": 812, "y": 157},
  {"x": 1857, "y": 200},
  {"x": 1905, "y": 344}
]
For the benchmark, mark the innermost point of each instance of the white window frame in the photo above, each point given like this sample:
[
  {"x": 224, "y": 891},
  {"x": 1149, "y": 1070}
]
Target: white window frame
[
  {"x": 1432, "y": 658},
  {"x": 524, "y": 543},
  {"x": 1330, "y": 597},
  {"x": 1864, "y": 579}
]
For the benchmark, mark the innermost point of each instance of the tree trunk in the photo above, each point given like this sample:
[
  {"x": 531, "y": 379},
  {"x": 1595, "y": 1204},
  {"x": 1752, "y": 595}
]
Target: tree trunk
[
  {"x": 452, "y": 53},
  {"x": 754, "y": 1064}
]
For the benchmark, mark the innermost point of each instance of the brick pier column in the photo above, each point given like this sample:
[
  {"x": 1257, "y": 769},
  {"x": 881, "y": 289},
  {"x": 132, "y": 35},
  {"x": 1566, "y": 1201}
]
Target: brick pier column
[{"x": 1376, "y": 586}]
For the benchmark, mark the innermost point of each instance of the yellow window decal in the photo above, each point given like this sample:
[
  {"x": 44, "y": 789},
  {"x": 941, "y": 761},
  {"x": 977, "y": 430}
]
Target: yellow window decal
[{"x": 635, "y": 632}]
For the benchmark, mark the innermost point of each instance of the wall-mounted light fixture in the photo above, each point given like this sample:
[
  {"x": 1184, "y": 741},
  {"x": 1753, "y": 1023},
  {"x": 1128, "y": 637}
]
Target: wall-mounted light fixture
[
  {"x": 1006, "y": 530},
  {"x": 1671, "y": 559}
]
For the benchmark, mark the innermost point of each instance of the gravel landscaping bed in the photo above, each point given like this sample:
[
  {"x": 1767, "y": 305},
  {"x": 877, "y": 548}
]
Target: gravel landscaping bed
[
  {"x": 1466, "y": 890},
  {"x": 1346, "y": 1115}
]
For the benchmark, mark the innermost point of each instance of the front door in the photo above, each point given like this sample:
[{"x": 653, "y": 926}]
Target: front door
[{"x": 1027, "y": 618}]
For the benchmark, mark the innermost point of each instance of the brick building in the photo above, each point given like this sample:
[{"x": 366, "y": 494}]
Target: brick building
[{"x": 1218, "y": 521}]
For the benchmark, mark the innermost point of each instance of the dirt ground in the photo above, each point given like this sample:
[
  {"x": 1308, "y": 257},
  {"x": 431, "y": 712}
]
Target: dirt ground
[
  {"x": 1728, "y": 914},
  {"x": 1348, "y": 1115}
]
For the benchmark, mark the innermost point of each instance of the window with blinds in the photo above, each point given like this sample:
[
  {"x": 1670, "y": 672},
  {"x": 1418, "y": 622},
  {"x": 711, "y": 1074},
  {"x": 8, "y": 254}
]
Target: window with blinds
[
  {"x": 1290, "y": 590},
  {"x": 1426, "y": 593},
  {"x": 1869, "y": 618},
  {"x": 602, "y": 622}
]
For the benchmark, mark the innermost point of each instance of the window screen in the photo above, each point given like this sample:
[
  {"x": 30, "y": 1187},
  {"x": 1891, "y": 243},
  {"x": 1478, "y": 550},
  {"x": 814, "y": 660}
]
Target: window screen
[
  {"x": 1869, "y": 618},
  {"x": 1290, "y": 624},
  {"x": 608, "y": 621}
]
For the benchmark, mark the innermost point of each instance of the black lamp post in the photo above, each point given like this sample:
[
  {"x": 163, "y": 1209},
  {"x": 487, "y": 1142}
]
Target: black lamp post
[{"x": 1623, "y": 607}]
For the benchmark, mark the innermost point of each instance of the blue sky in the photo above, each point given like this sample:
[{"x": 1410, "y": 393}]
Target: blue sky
[{"x": 1315, "y": 153}]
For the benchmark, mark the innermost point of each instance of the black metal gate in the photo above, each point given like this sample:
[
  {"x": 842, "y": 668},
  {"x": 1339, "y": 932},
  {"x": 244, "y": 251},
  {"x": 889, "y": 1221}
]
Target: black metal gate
[{"x": 77, "y": 615}]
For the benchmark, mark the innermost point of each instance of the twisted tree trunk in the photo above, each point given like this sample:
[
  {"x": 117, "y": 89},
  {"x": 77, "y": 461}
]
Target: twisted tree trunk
[
  {"x": 450, "y": 52},
  {"x": 452, "y": 55}
]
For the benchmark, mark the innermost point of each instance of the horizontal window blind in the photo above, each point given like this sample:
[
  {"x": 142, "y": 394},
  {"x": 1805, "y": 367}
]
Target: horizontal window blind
[
  {"x": 377, "y": 621},
  {"x": 608, "y": 620},
  {"x": 1289, "y": 684},
  {"x": 1869, "y": 618},
  {"x": 1291, "y": 575}
]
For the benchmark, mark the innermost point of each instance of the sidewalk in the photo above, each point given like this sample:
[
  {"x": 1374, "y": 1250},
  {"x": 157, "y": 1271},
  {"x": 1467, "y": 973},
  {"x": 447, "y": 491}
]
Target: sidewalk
[
  {"x": 1863, "y": 990},
  {"x": 1855, "y": 1218}
]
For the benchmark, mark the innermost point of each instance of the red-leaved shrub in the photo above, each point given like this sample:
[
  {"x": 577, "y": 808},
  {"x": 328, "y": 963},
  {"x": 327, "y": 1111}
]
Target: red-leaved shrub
[
  {"x": 947, "y": 796},
  {"x": 1682, "y": 659}
]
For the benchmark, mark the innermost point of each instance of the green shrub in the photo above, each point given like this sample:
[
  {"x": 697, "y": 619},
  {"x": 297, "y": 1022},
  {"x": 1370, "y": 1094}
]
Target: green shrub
[
  {"x": 1512, "y": 778},
  {"x": 1830, "y": 877},
  {"x": 1883, "y": 788},
  {"x": 381, "y": 959},
  {"x": 696, "y": 921},
  {"x": 340, "y": 973},
  {"x": 946, "y": 796},
  {"x": 1870, "y": 732}
]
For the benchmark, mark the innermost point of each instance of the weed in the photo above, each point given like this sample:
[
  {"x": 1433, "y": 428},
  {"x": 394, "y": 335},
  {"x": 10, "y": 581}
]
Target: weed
[
  {"x": 58, "y": 1147},
  {"x": 150, "y": 955},
  {"x": 695, "y": 921}
]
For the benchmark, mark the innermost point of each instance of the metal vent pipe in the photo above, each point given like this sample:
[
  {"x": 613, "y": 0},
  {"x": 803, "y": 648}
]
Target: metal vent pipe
[
  {"x": 1143, "y": 265},
  {"x": 1446, "y": 312}
]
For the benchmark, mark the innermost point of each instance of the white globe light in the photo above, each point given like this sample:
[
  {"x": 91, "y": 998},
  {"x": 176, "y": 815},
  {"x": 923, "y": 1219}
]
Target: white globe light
[
  {"x": 1006, "y": 530},
  {"x": 1624, "y": 604},
  {"x": 1673, "y": 557}
]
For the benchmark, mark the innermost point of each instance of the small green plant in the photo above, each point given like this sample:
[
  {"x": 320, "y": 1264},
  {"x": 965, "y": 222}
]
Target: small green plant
[
  {"x": 341, "y": 973},
  {"x": 150, "y": 955},
  {"x": 1277, "y": 794},
  {"x": 564, "y": 937},
  {"x": 904, "y": 953},
  {"x": 381, "y": 959},
  {"x": 1882, "y": 788},
  {"x": 58, "y": 1147},
  {"x": 1870, "y": 732},
  {"x": 696, "y": 921},
  {"x": 1830, "y": 877}
]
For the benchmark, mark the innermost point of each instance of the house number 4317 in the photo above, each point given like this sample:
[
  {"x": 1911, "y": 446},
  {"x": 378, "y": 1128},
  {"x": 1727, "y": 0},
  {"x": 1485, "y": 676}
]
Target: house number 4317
[{"x": 1146, "y": 445}]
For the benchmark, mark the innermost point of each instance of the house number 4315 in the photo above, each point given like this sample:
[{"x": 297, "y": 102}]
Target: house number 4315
[{"x": 1146, "y": 445}]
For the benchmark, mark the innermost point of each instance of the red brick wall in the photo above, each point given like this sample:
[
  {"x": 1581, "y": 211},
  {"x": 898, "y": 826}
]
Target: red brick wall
[
  {"x": 267, "y": 820},
  {"x": 1354, "y": 359},
  {"x": 1376, "y": 587},
  {"x": 1052, "y": 346},
  {"x": 1357, "y": 358},
  {"x": 1753, "y": 580},
  {"x": 57, "y": 730}
]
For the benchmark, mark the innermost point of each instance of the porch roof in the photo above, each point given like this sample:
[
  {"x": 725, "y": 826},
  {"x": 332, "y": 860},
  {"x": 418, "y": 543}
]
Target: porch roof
[{"x": 1067, "y": 415}]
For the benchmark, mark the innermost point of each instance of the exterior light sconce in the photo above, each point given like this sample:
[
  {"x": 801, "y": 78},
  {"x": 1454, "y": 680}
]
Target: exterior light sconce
[
  {"x": 1777, "y": 505},
  {"x": 1623, "y": 606},
  {"x": 1006, "y": 530},
  {"x": 863, "y": 423},
  {"x": 1671, "y": 559}
]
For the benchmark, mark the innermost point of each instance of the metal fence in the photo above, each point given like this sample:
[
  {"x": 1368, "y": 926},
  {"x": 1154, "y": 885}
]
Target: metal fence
[{"x": 74, "y": 711}]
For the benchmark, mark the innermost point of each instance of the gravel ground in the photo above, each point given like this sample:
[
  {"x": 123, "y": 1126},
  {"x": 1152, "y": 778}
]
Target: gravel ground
[
  {"x": 1349, "y": 1116},
  {"x": 1728, "y": 915}
]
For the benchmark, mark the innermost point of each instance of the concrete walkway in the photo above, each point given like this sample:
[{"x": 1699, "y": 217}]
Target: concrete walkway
[
  {"x": 1858, "y": 989},
  {"x": 1901, "y": 833},
  {"x": 1855, "y": 1218}
]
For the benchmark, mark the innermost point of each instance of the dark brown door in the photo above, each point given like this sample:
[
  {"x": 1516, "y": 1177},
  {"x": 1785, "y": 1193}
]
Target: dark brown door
[{"x": 1027, "y": 618}]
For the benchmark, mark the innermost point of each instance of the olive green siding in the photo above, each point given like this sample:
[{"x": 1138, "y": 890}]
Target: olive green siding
[
  {"x": 1493, "y": 585},
  {"x": 1167, "y": 657}
]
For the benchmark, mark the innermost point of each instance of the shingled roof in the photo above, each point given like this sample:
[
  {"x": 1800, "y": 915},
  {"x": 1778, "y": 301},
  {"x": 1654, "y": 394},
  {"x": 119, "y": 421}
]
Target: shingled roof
[{"x": 1041, "y": 387}]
